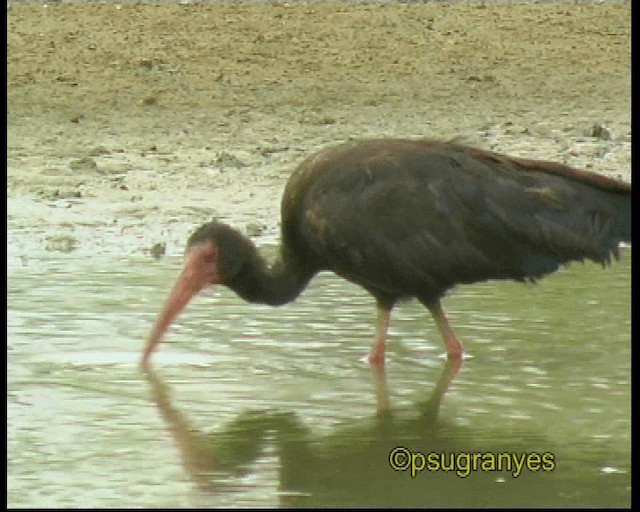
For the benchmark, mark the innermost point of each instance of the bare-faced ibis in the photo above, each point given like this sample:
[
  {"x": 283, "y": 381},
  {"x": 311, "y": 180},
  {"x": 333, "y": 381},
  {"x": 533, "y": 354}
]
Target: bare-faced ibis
[{"x": 412, "y": 219}]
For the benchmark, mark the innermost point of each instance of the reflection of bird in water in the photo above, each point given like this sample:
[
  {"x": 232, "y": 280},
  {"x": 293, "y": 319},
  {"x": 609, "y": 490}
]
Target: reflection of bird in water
[
  {"x": 412, "y": 219},
  {"x": 350, "y": 466},
  {"x": 233, "y": 450}
]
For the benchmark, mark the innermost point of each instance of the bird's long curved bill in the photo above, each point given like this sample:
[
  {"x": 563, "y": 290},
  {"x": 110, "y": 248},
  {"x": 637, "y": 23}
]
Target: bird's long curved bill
[{"x": 190, "y": 282}]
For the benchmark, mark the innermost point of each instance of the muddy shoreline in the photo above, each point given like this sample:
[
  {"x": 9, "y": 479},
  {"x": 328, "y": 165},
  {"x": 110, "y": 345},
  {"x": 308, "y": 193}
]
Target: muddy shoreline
[{"x": 130, "y": 124}]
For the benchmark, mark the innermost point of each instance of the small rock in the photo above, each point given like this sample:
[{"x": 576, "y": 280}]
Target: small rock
[
  {"x": 483, "y": 78},
  {"x": 158, "y": 250},
  {"x": 255, "y": 228},
  {"x": 600, "y": 131},
  {"x": 146, "y": 63},
  {"x": 99, "y": 150},
  {"x": 224, "y": 159},
  {"x": 60, "y": 243},
  {"x": 325, "y": 120},
  {"x": 267, "y": 151},
  {"x": 85, "y": 164},
  {"x": 57, "y": 193},
  {"x": 150, "y": 101}
]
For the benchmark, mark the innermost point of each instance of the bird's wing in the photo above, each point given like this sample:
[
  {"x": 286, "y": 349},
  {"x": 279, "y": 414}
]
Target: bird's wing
[{"x": 428, "y": 221}]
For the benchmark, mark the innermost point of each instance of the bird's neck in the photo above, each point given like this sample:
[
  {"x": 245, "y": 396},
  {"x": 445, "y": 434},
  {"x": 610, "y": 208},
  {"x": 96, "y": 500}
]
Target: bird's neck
[{"x": 274, "y": 284}]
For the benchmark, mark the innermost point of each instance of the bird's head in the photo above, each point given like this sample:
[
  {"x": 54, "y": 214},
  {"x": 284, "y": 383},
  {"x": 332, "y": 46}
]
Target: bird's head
[{"x": 215, "y": 254}]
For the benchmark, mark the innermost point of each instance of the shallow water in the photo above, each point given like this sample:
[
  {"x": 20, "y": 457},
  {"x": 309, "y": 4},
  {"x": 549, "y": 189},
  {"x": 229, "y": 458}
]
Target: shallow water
[{"x": 254, "y": 406}]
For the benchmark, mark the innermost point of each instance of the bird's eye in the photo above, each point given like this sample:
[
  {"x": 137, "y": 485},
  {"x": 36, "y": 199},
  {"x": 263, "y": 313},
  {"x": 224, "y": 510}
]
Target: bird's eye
[{"x": 210, "y": 253}]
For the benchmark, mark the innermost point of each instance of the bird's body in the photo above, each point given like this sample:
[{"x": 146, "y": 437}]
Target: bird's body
[
  {"x": 414, "y": 218},
  {"x": 411, "y": 219}
]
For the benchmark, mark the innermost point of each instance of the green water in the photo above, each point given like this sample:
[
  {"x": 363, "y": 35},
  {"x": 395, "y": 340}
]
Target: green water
[{"x": 255, "y": 406}]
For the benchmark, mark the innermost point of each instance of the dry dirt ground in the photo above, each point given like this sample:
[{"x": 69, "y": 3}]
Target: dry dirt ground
[{"x": 130, "y": 124}]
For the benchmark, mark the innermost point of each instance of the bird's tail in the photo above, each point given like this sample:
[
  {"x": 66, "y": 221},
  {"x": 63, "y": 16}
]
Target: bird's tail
[
  {"x": 595, "y": 226},
  {"x": 623, "y": 206},
  {"x": 561, "y": 218},
  {"x": 604, "y": 203}
]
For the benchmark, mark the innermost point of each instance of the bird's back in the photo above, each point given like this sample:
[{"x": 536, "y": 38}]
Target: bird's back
[{"x": 413, "y": 218}]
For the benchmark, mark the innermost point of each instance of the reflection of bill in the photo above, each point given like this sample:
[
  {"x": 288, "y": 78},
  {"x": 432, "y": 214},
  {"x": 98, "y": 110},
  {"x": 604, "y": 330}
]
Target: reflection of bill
[{"x": 463, "y": 463}]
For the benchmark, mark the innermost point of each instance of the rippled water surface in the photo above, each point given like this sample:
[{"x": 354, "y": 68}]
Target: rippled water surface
[{"x": 254, "y": 406}]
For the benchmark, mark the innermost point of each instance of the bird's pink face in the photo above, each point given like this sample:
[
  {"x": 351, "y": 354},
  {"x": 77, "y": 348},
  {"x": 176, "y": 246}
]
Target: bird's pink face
[{"x": 200, "y": 271}]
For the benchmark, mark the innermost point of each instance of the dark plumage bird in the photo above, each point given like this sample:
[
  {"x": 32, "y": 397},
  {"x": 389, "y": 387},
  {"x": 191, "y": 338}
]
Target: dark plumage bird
[{"x": 412, "y": 219}]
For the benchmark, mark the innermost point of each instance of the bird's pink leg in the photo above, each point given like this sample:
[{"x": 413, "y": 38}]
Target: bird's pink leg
[
  {"x": 382, "y": 391},
  {"x": 454, "y": 347},
  {"x": 382, "y": 325}
]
